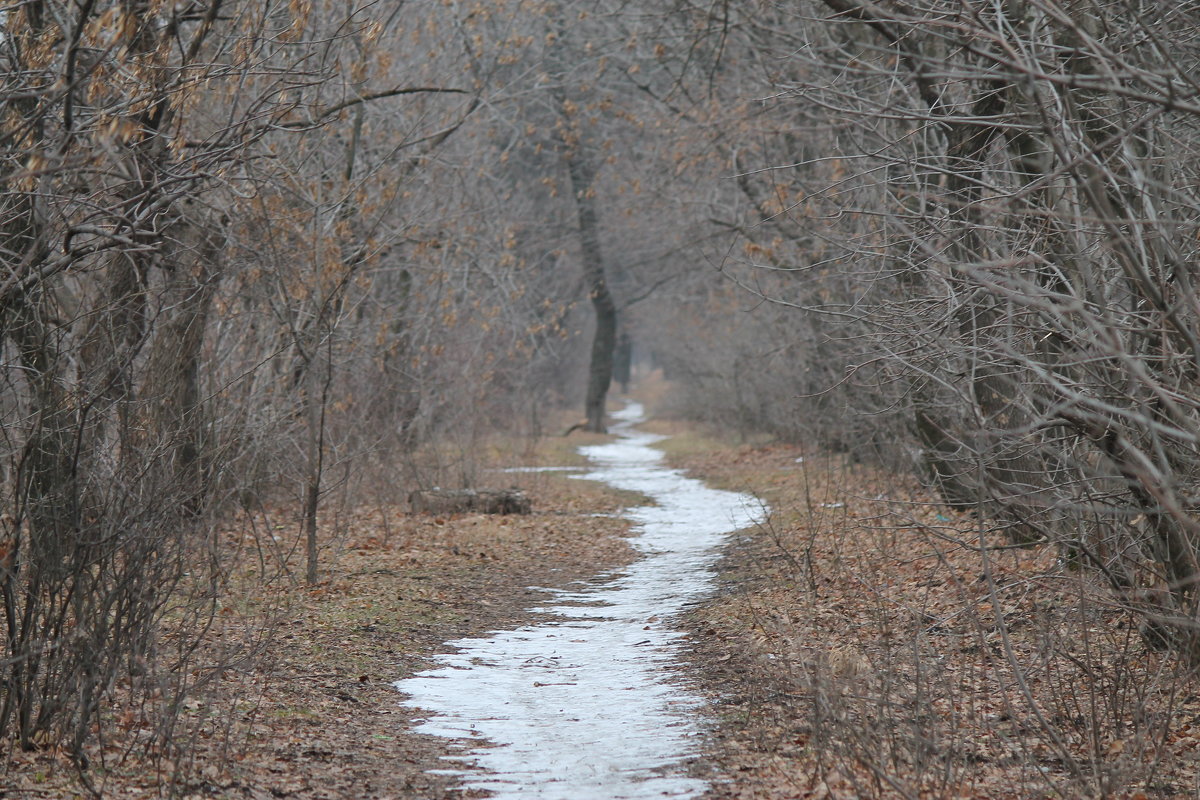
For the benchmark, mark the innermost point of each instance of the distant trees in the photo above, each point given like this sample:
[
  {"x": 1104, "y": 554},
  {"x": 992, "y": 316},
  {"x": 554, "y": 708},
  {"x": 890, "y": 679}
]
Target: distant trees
[{"x": 576, "y": 136}]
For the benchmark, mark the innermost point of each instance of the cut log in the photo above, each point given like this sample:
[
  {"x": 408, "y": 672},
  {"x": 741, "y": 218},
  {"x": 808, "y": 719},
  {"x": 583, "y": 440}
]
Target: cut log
[{"x": 469, "y": 501}]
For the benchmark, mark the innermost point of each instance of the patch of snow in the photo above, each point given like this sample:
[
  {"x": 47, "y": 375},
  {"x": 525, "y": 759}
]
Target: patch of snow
[{"x": 584, "y": 707}]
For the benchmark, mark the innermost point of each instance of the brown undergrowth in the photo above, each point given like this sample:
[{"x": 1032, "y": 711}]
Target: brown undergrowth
[
  {"x": 298, "y": 701},
  {"x": 868, "y": 642}
]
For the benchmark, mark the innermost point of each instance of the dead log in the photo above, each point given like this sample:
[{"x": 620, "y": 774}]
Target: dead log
[{"x": 469, "y": 501}]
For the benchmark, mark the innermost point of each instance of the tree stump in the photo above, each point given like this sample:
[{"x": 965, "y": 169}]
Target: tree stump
[{"x": 469, "y": 501}]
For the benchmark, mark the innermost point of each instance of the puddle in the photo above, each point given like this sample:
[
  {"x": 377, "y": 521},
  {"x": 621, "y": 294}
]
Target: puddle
[{"x": 587, "y": 705}]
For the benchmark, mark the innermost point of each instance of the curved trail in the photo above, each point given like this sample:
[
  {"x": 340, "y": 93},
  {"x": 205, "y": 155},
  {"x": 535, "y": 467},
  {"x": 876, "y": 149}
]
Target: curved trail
[{"x": 582, "y": 706}]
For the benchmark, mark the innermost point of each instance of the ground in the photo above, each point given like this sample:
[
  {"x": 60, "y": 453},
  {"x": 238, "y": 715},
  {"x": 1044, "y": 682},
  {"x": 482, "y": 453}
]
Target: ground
[
  {"x": 870, "y": 642},
  {"x": 315, "y": 715},
  {"x": 862, "y": 645}
]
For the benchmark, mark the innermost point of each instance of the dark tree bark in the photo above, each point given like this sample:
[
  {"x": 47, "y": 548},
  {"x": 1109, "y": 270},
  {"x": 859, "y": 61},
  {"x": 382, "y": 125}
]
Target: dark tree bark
[
  {"x": 604, "y": 342},
  {"x": 623, "y": 361},
  {"x": 173, "y": 371}
]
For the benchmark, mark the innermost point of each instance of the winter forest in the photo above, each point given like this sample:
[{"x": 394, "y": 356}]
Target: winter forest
[{"x": 268, "y": 267}]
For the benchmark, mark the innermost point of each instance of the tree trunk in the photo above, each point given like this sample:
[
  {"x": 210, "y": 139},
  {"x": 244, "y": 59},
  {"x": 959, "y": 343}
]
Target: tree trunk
[
  {"x": 317, "y": 401},
  {"x": 172, "y": 384},
  {"x": 623, "y": 361},
  {"x": 604, "y": 342}
]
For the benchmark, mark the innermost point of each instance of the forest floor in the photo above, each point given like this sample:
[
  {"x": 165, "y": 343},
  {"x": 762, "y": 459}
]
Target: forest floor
[
  {"x": 862, "y": 644},
  {"x": 307, "y": 708},
  {"x": 869, "y": 642}
]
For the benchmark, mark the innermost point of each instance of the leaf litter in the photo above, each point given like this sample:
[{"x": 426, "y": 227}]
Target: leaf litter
[
  {"x": 870, "y": 642},
  {"x": 313, "y": 713},
  {"x": 858, "y": 646}
]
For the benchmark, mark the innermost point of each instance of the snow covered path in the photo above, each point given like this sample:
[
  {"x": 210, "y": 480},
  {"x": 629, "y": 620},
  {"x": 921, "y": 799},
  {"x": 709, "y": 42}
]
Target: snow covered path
[{"x": 586, "y": 705}]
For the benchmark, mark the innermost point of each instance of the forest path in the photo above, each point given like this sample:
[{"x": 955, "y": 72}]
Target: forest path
[
  {"x": 318, "y": 717},
  {"x": 585, "y": 705}
]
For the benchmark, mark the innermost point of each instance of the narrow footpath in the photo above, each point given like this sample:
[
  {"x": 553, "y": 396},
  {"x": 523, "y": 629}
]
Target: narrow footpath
[{"x": 588, "y": 705}]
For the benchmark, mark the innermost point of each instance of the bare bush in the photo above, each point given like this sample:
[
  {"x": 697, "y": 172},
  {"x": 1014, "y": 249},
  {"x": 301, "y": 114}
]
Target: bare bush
[{"x": 998, "y": 228}]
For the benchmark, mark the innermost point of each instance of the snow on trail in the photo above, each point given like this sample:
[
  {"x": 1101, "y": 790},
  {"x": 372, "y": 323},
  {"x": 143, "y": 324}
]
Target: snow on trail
[{"x": 583, "y": 706}]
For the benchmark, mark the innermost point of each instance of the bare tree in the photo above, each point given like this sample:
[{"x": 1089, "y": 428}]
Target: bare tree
[
  {"x": 127, "y": 128},
  {"x": 1007, "y": 197}
]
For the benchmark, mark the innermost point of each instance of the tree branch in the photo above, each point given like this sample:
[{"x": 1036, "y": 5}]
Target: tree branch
[{"x": 366, "y": 98}]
